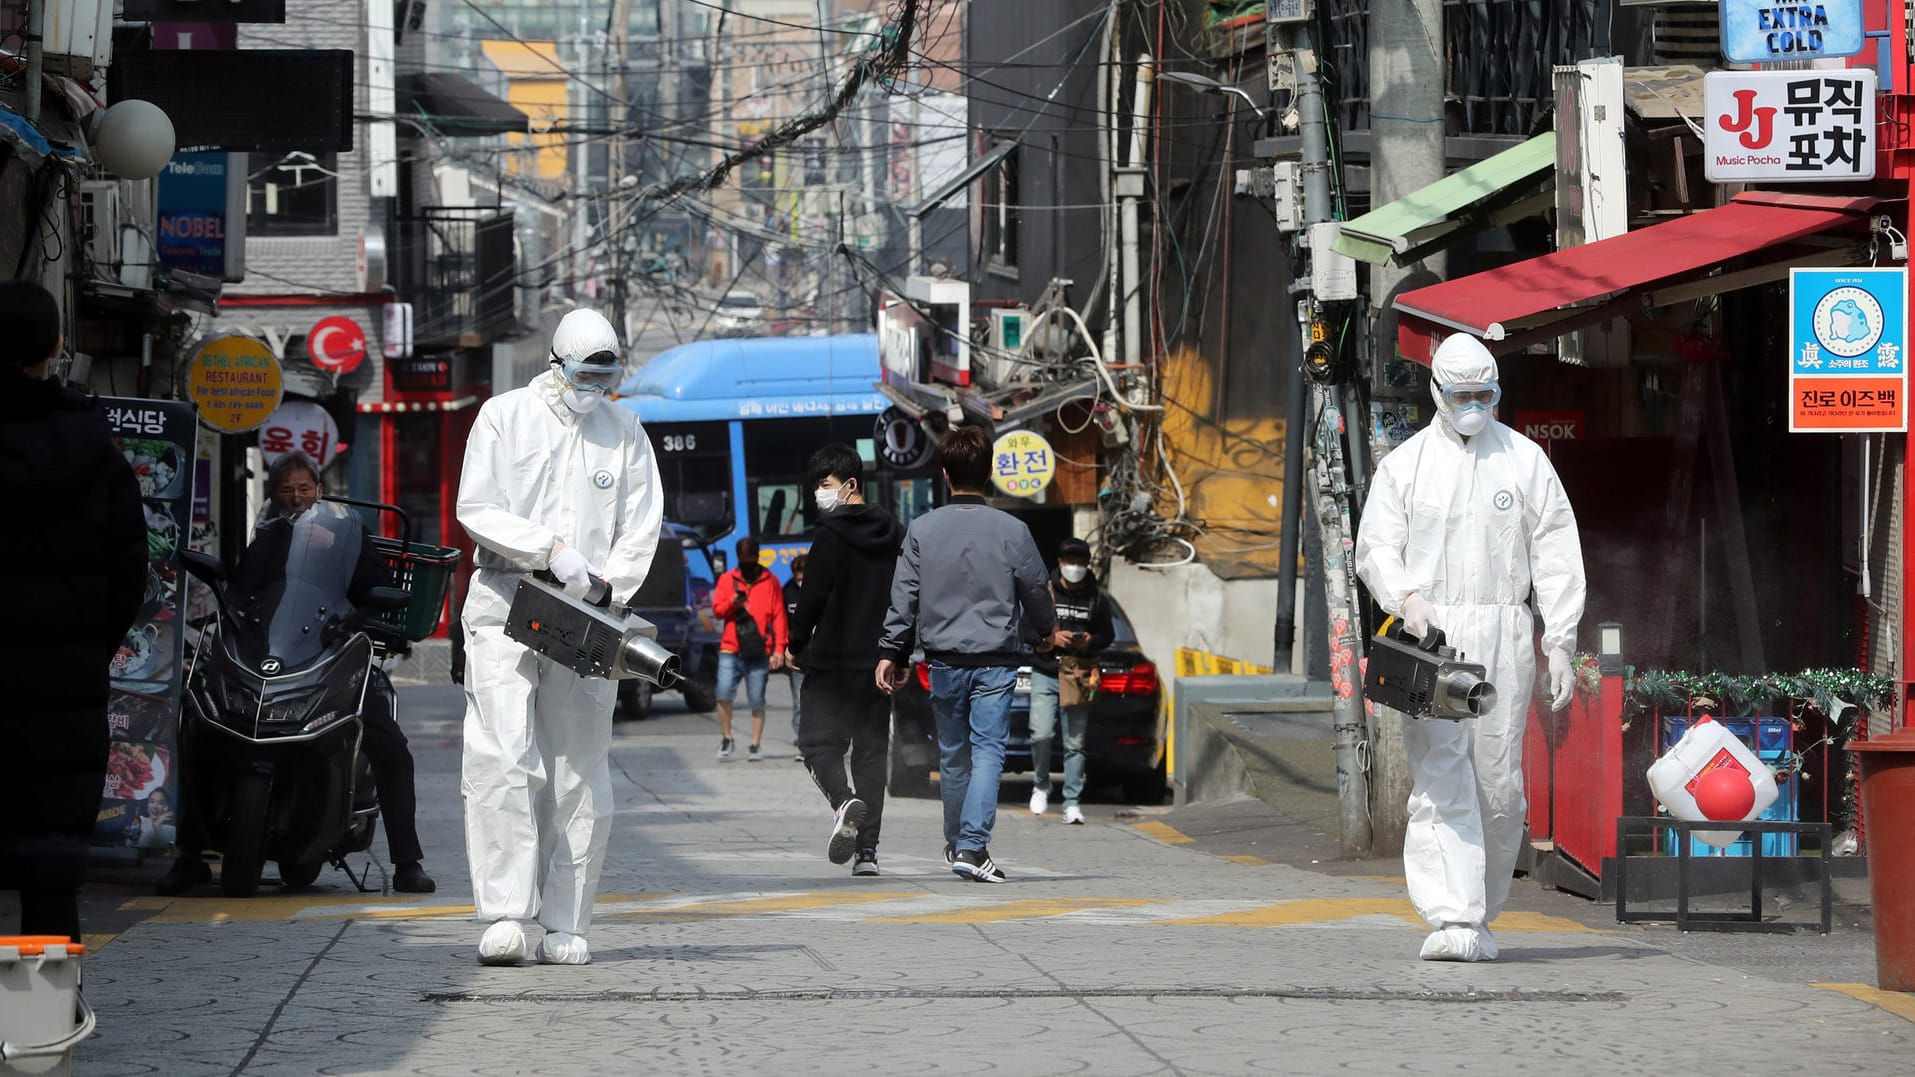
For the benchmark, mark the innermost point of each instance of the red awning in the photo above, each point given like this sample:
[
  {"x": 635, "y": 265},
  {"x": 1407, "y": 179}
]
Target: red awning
[{"x": 1515, "y": 305}]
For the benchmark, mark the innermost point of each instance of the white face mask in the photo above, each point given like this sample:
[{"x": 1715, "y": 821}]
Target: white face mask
[
  {"x": 832, "y": 498},
  {"x": 582, "y": 403},
  {"x": 1073, "y": 573},
  {"x": 1471, "y": 422}
]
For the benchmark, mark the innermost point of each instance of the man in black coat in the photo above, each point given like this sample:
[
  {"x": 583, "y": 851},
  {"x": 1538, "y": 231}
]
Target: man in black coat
[
  {"x": 293, "y": 486},
  {"x": 73, "y": 568},
  {"x": 834, "y": 637}
]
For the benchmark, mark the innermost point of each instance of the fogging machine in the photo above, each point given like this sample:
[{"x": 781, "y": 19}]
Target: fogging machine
[
  {"x": 586, "y": 635},
  {"x": 1425, "y": 678}
]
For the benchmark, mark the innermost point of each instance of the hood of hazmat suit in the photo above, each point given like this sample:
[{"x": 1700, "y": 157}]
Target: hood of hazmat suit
[
  {"x": 1472, "y": 525},
  {"x": 537, "y": 736}
]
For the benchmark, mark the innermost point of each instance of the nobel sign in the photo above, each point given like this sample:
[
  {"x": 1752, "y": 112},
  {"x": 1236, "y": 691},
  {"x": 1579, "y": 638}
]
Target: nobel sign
[{"x": 1755, "y": 32}]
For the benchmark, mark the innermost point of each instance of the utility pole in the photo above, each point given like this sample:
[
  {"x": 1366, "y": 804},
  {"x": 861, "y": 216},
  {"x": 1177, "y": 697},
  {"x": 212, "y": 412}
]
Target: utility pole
[
  {"x": 1406, "y": 122},
  {"x": 618, "y": 34}
]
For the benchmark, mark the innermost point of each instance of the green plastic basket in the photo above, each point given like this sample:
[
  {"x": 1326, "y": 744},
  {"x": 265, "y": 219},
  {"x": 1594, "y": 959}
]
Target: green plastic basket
[{"x": 426, "y": 571}]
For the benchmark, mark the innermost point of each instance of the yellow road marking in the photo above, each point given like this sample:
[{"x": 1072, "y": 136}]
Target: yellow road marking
[
  {"x": 315, "y": 907},
  {"x": 1027, "y": 909},
  {"x": 1163, "y": 832},
  {"x": 750, "y": 906},
  {"x": 1328, "y": 910},
  {"x": 1247, "y": 861},
  {"x": 1896, "y": 1002},
  {"x": 1307, "y": 911},
  {"x": 94, "y": 942},
  {"x": 1397, "y": 879}
]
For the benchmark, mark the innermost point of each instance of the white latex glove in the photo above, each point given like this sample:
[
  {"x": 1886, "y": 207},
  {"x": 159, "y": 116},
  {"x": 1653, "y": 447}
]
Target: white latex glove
[
  {"x": 1418, "y": 616},
  {"x": 1562, "y": 680},
  {"x": 571, "y": 568}
]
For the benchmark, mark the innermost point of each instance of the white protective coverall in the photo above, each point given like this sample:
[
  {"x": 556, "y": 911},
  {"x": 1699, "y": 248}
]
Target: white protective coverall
[
  {"x": 1472, "y": 525},
  {"x": 537, "y": 776}
]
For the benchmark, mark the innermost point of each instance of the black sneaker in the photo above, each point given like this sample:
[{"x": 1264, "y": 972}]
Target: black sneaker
[
  {"x": 844, "y": 830},
  {"x": 866, "y": 862},
  {"x": 724, "y": 748},
  {"x": 950, "y": 854},
  {"x": 753, "y": 756},
  {"x": 976, "y": 865},
  {"x": 186, "y": 874}
]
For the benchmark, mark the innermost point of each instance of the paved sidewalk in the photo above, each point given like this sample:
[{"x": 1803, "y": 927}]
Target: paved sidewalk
[{"x": 1144, "y": 943}]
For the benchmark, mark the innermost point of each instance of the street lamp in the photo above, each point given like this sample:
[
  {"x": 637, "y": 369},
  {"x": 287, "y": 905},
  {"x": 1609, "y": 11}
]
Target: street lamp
[
  {"x": 133, "y": 139},
  {"x": 1206, "y": 84}
]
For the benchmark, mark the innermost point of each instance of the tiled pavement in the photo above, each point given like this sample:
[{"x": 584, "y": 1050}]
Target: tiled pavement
[{"x": 727, "y": 944}]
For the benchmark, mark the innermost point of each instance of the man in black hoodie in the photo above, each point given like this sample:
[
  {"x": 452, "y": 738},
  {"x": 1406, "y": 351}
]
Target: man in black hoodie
[
  {"x": 834, "y": 636},
  {"x": 1084, "y": 612},
  {"x": 73, "y": 563}
]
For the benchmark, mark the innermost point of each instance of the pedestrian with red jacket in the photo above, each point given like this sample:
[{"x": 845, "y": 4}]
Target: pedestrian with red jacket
[{"x": 750, "y": 602}]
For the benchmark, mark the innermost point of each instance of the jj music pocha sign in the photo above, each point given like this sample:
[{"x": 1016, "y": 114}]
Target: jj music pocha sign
[
  {"x": 1789, "y": 126},
  {"x": 1848, "y": 350}
]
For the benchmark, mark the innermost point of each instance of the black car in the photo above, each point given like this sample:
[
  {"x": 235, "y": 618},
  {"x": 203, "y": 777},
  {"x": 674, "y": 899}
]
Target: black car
[
  {"x": 676, "y": 596},
  {"x": 1124, "y": 743}
]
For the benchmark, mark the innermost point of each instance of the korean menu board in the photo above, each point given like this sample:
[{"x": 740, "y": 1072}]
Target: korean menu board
[{"x": 137, "y": 806}]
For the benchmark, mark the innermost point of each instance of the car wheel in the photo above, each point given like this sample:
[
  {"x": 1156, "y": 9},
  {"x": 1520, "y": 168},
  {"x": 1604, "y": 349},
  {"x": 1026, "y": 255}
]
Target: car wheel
[
  {"x": 904, "y": 779},
  {"x": 634, "y": 700},
  {"x": 245, "y": 851},
  {"x": 299, "y": 876},
  {"x": 1147, "y": 787},
  {"x": 700, "y": 692}
]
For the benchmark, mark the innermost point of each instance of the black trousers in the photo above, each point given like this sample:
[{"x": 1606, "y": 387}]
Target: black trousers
[
  {"x": 845, "y": 712},
  {"x": 50, "y": 912},
  {"x": 385, "y": 746}
]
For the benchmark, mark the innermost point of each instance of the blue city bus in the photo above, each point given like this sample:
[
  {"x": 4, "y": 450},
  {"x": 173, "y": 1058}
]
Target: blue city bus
[{"x": 734, "y": 421}]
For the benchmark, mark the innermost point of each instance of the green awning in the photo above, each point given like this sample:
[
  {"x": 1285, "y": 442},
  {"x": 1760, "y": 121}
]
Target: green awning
[{"x": 1491, "y": 192}]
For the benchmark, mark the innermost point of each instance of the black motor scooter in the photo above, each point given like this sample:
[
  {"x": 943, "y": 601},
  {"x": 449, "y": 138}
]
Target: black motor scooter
[{"x": 271, "y": 738}]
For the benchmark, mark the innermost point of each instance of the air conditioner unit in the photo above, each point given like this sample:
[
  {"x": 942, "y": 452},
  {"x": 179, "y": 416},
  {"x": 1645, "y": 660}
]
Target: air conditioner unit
[{"x": 99, "y": 224}]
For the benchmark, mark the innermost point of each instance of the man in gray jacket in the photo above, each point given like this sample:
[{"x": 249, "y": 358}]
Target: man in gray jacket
[{"x": 986, "y": 586}]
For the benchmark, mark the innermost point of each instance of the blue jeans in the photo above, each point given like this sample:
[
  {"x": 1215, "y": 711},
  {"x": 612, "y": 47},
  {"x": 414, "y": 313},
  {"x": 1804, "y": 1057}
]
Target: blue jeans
[
  {"x": 733, "y": 668},
  {"x": 1044, "y": 710},
  {"x": 972, "y": 705}
]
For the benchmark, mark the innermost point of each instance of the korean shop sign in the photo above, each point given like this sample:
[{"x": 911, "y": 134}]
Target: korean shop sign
[
  {"x": 1022, "y": 463},
  {"x": 1848, "y": 350},
  {"x": 1763, "y": 32},
  {"x": 1802, "y": 126}
]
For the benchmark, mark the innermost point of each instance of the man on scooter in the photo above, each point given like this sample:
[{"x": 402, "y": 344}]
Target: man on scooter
[{"x": 294, "y": 488}]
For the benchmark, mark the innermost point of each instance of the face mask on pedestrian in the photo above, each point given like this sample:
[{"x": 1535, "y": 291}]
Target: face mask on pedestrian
[
  {"x": 582, "y": 403},
  {"x": 831, "y": 497},
  {"x": 1073, "y": 573}
]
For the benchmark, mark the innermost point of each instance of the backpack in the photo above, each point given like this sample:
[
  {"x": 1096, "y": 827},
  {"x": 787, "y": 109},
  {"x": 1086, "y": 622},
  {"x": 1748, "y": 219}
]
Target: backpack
[{"x": 751, "y": 638}]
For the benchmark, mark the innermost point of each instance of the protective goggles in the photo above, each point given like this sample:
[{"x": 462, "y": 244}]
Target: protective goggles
[
  {"x": 1468, "y": 394},
  {"x": 596, "y": 373}
]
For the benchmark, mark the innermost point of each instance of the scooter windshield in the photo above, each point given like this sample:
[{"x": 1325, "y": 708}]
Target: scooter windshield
[{"x": 320, "y": 557}]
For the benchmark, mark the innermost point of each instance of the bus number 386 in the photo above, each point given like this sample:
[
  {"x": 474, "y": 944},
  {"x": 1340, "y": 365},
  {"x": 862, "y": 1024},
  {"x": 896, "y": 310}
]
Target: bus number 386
[{"x": 680, "y": 442}]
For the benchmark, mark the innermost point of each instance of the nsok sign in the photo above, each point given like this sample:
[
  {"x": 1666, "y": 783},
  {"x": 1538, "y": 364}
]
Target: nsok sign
[{"x": 1789, "y": 126}]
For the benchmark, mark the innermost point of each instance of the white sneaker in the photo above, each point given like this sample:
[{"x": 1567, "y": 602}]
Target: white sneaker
[
  {"x": 1456, "y": 942},
  {"x": 502, "y": 944},
  {"x": 559, "y": 948},
  {"x": 1040, "y": 800},
  {"x": 1073, "y": 815}
]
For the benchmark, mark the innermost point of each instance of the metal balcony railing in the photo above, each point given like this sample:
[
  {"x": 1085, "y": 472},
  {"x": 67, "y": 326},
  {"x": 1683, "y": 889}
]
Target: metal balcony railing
[{"x": 457, "y": 267}]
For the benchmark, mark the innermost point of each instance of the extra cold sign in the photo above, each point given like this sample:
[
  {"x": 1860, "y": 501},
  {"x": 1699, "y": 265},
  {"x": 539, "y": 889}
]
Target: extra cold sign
[
  {"x": 1798, "y": 126},
  {"x": 1760, "y": 33},
  {"x": 1848, "y": 350}
]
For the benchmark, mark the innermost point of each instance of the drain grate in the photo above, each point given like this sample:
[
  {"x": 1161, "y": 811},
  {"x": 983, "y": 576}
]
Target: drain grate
[{"x": 1302, "y": 994}]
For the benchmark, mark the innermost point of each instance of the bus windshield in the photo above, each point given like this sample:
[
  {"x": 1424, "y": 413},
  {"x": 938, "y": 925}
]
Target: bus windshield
[
  {"x": 694, "y": 461},
  {"x": 778, "y": 492}
]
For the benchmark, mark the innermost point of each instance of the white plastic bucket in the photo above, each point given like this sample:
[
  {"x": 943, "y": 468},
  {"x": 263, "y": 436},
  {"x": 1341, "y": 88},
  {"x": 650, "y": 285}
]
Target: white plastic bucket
[
  {"x": 1708, "y": 746},
  {"x": 39, "y": 998}
]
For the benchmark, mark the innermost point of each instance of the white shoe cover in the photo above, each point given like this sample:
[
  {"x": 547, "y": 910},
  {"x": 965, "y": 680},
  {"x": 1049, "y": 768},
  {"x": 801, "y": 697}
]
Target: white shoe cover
[
  {"x": 1486, "y": 942},
  {"x": 502, "y": 944},
  {"x": 1457, "y": 942},
  {"x": 558, "y": 948}
]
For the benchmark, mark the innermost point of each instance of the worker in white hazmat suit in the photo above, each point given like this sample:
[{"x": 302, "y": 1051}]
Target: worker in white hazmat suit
[
  {"x": 555, "y": 479},
  {"x": 1464, "y": 522}
]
